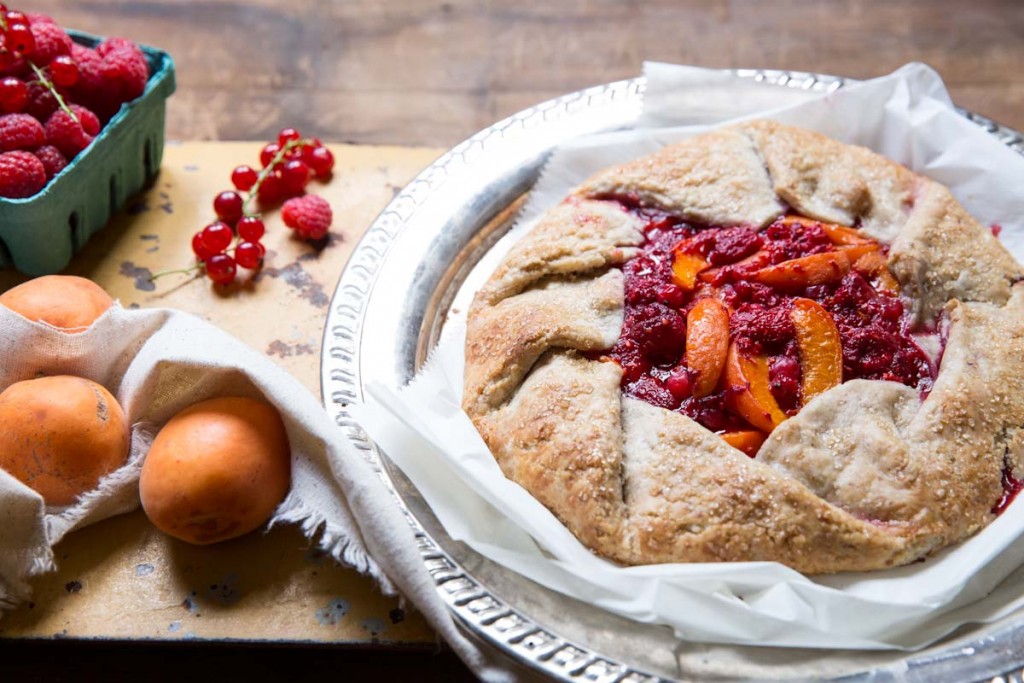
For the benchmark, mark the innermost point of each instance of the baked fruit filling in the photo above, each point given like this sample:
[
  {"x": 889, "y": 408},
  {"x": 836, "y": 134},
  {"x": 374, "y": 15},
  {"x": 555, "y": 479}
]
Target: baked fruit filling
[{"x": 739, "y": 328}]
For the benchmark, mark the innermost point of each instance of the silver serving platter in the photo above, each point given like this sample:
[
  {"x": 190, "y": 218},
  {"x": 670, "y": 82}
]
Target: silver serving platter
[{"x": 386, "y": 314}]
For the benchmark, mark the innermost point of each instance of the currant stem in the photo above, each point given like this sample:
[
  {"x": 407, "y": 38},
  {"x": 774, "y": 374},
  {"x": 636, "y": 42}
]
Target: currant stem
[
  {"x": 48, "y": 84},
  {"x": 197, "y": 266},
  {"x": 268, "y": 169}
]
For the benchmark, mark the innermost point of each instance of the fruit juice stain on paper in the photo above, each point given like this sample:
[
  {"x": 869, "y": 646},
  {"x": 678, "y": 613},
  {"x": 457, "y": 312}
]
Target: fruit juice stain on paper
[
  {"x": 190, "y": 603},
  {"x": 333, "y": 612},
  {"x": 374, "y": 626},
  {"x": 167, "y": 206},
  {"x": 298, "y": 279},
  {"x": 283, "y": 350},
  {"x": 225, "y": 592},
  {"x": 143, "y": 277}
]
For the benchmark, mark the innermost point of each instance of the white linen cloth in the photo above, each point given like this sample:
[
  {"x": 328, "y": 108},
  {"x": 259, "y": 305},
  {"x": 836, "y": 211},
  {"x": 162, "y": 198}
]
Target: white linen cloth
[
  {"x": 157, "y": 362},
  {"x": 906, "y": 116}
]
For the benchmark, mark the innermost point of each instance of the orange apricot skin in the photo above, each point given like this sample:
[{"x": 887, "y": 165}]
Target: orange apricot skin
[
  {"x": 798, "y": 273},
  {"x": 874, "y": 264},
  {"x": 216, "y": 470},
  {"x": 686, "y": 268},
  {"x": 821, "y": 351},
  {"x": 748, "y": 392},
  {"x": 60, "y": 435},
  {"x": 67, "y": 302},
  {"x": 707, "y": 343},
  {"x": 747, "y": 440}
]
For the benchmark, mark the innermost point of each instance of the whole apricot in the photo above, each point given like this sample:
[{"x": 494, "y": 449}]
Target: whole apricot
[
  {"x": 60, "y": 435},
  {"x": 216, "y": 470},
  {"x": 66, "y": 301}
]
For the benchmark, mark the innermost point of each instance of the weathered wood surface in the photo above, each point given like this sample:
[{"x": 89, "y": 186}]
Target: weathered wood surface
[{"x": 417, "y": 72}]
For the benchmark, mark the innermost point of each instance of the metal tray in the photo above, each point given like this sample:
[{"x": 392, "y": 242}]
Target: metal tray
[{"x": 387, "y": 312}]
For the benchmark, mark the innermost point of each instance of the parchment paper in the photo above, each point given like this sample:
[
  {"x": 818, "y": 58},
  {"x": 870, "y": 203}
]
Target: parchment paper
[{"x": 908, "y": 117}]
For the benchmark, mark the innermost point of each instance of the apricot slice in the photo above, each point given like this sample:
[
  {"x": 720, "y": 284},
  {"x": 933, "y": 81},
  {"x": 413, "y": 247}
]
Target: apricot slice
[
  {"x": 747, "y": 440},
  {"x": 875, "y": 264},
  {"x": 66, "y": 301},
  {"x": 748, "y": 392},
  {"x": 216, "y": 470},
  {"x": 798, "y": 273},
  {"x": 855, "y": 252},
  {"x": 60, "y": 435},
  {"x": 707, "y": 343},
  {"x": 686, "y": 267},
  {"x": 821, "y": 352}
]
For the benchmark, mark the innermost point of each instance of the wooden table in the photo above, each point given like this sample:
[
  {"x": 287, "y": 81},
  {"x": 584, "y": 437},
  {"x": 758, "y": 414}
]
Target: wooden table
[
  {"x": 402, "y": 72},
  {"x": 432, "y": 72}
]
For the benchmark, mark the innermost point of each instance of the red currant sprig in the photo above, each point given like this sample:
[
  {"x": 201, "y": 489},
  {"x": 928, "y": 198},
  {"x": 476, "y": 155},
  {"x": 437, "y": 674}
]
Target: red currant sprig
[
  {"x": 288, "y": 166},
  {"x": 18, "y": 42}
]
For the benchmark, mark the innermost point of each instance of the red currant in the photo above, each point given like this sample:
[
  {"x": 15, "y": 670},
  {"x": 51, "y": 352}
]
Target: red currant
[
  {"x": 13, "y": 94},
  {"x": 679, "y": 383},
  {"x": 248, "y": 254},
  {"x": 250, "y": 229},
  {"x": 221, "y": 269},
  {"x": 64, "y": 71},
  {"x": 244, "y": 177},
  {"x": 19, "y": 38},
  {"x": 16, "y": 17},
  {"x": 228, "y": 207},
  {"x": 287, "y": 135},
  {"x": 7, "y": 58},
  {"x": 295, "y": 176},
  {"x": 321, "y": 161},
  {"x": 217, "y": 236},
  {"x": 270, "y": 189},
  {"x": 268, "y": 153},
  {"x": 200, "y": 249}
]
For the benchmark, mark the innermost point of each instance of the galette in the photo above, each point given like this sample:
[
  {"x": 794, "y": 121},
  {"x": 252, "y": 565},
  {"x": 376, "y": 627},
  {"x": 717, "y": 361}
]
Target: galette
[{"x": 759, "y": 344}]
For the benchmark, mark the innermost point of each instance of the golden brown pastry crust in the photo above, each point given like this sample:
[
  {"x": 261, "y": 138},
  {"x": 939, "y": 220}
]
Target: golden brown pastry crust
[{"x": 866, "y": 476}]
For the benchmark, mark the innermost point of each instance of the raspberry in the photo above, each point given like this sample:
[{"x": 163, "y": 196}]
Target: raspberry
[
  {"x": 66, "y": 134},
  {"x": 125, "y": 72},
  {"x": 20, "y": 131},
  {"x": 114, "y": 44},
  {"x": 90, "y": 89},
  {"x": 309, "y": 215},
  {"x": 51, "y": 42},
  {"x": 21, "y": 175},
  {"x": 90, "y": 122},
  {"x": 41, "y": 102},
  {"x": 53, "y": 161}
]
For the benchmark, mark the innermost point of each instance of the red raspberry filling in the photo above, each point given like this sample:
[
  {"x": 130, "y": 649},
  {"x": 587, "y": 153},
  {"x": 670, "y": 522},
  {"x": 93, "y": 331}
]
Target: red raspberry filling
[{"x": 780, "y": 307}]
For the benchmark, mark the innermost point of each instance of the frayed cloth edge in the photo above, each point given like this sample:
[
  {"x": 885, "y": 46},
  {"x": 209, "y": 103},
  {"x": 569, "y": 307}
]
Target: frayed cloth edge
[{"x": 332, "y": 540}]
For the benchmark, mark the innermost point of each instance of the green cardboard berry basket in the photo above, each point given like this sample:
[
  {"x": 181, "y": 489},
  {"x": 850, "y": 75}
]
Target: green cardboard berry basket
[{"x": 39, "y": 235}]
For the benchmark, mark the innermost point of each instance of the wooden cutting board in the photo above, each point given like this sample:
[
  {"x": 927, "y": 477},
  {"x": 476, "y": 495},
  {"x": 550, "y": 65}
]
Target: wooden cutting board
[{"x": 122, "y": 578}]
